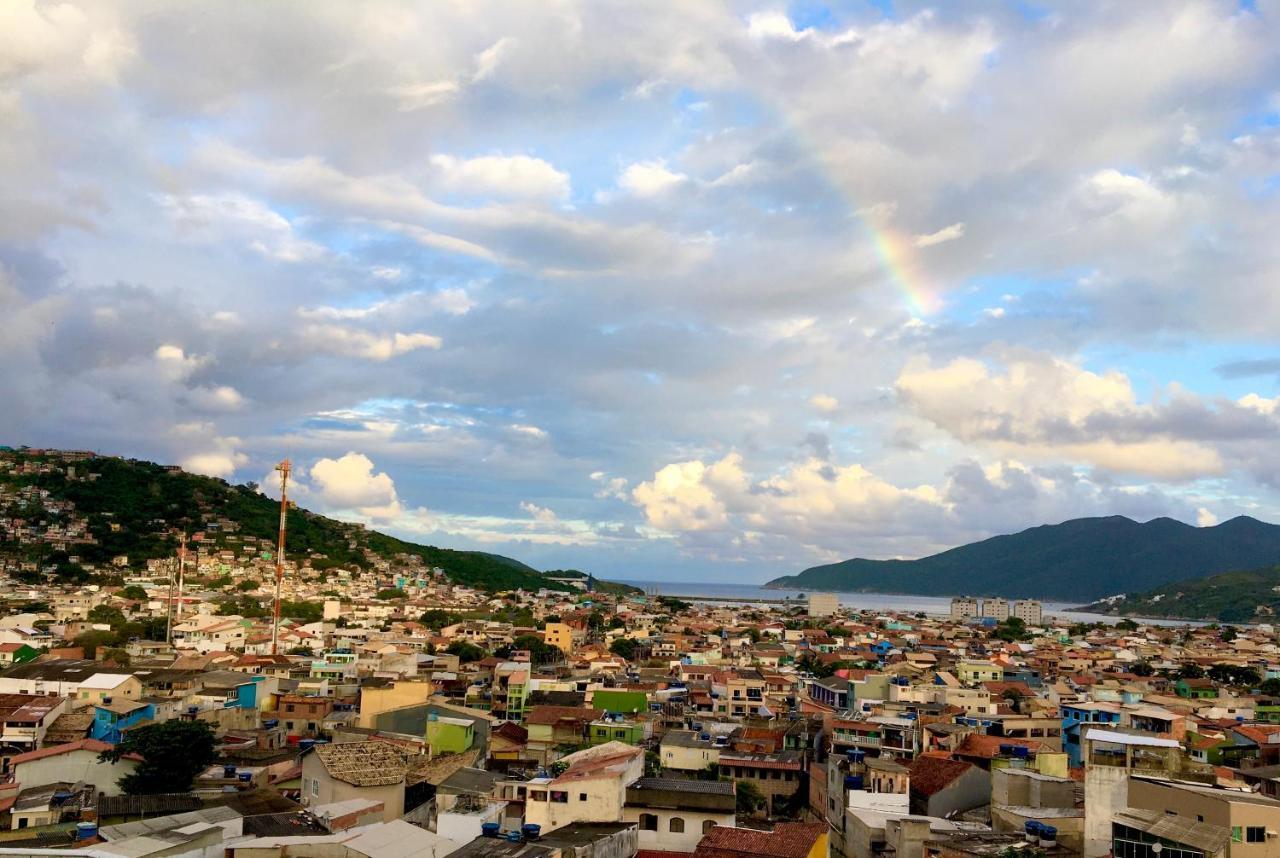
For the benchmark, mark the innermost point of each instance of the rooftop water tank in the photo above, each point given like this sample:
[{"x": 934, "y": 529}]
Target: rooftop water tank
[
  {"x": 228, "y": 771},
  {"x": 489, "y": 829},
  {"x": 86, "y": 830},
  {"x": 531, "y": 831},
  {"x": 1021, "y": 751},
  {"x": 1048, "y": 836}
]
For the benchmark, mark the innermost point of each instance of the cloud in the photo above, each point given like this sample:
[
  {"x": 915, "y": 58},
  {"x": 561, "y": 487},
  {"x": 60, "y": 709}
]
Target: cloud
[
  {"x": 516, "y": 176},
  {"x": 947, "y": 233},
  {"x": 538, "y": 513},
  {"x": 824, "y": 403},
  {"x": 349, "y": 483},
  {"x": 1046, "y": 407},
  {"x": 1205, "y": 517},
  {"x": 354, "y": 342},
  {"x": 649, "y": 179}
]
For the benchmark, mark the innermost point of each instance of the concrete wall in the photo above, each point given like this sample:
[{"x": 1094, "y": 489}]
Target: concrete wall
[
  {"x": 319, "y": 788},
  {"x": 375, "y": 701},
  {"x": 1106, "y": 792},
  {"x": 667, "y": 840},
  {"x": 972, "y": 789},
  {"x": 1217, "y": 809},
  {"x": 72, "y": 767}
]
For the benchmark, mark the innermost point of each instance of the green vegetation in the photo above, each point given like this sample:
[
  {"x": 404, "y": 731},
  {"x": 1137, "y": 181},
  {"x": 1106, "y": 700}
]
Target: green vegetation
[
  {"x": 624, "y": 647},
  {"x": 749, "y": 797},
  {"x": 466, "y": 652},
  {"x": 613, "y": 588},
  {"x": 133, "y": 507},
  {"x": 1077, "y": 560},
  {"x": 388, "y": 593},
  {"x": 1232, "y": 597},
  {"x": 173, "y": 753}
]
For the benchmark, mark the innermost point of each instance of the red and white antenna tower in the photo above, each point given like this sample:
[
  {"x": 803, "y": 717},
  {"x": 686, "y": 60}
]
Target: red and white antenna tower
[{"x": 283, "y": 468}]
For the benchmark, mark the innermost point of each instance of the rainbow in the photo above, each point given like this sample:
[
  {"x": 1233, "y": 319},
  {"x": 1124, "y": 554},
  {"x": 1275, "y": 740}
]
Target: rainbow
[{"x": 895, "y": 252}]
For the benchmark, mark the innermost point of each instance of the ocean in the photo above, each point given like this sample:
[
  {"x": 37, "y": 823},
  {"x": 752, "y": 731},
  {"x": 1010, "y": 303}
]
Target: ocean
[{"x": 934, "y": 605}]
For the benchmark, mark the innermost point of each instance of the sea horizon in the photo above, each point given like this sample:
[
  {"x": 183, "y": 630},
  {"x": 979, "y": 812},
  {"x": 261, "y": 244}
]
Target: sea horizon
[{"x": 894, "y": 602}]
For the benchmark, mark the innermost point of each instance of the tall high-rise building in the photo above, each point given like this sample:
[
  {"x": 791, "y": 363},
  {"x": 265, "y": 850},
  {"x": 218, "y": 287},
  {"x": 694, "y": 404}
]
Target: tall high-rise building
[
  {"x": 823, "y": 604},
  {"x": 964, "y": 608},
  {"x": 1029, "y": 611}
]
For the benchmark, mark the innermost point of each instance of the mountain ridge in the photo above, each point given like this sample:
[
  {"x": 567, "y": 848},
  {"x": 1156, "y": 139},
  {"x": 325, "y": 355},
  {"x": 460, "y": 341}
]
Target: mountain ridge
[
  {"x": 133, "y": 508},
  {"x": 1079, "y": 559}
]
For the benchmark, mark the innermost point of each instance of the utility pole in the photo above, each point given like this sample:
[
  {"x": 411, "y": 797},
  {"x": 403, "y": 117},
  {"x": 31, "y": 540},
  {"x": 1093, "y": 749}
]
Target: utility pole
[
  {"x": 283, "y": 468},
  {"x": 178, "y": 575}
]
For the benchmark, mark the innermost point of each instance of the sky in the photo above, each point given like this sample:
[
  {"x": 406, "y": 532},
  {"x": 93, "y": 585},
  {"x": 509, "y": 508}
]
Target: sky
[{"x": 696, "y": 291}]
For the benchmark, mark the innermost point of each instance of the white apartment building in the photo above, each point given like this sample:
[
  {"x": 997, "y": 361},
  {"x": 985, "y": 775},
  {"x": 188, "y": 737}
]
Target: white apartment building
[
  {"x": 1029, "y": 611},
  {"x": 964, "y": 608}
]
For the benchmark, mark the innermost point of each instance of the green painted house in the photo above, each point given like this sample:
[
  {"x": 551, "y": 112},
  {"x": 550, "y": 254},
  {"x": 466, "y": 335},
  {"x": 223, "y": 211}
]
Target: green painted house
[
  {"x": 607, "y": 730},
  {"x": 449, "y": 735},
  {"x": 1196, "y": 689}
]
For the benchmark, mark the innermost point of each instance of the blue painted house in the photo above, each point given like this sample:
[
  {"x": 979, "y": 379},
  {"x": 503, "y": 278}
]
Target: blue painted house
[
  {"x": 1077, "y": 718},
  {"x": 112, "y": 717}
]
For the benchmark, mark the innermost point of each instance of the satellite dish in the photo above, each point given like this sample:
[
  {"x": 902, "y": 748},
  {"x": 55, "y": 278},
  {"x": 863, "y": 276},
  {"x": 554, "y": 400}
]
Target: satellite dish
[{"x": 1157, "y": 848}]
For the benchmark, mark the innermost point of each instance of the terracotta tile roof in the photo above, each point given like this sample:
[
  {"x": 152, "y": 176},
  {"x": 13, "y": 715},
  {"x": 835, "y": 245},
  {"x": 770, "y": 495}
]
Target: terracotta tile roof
[
  {"x": 987, "y": 747},
  {"x": 92, "y": 745},
  {"x": 787, "y": 840},
  {"x": 552, "y": 715},
  {"x": 930, "y": 775}
]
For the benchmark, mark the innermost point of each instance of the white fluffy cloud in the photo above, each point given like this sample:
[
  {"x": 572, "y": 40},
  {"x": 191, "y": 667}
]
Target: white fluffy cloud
[
  {"x": 1047, "y": 407},
  {"x": 501, "y": 176},
  {"x": 349, "y": 483}
]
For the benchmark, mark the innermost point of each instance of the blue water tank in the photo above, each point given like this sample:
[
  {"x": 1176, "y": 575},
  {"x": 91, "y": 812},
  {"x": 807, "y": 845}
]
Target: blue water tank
[
  {"x": 1021, "y": 751},
  {"x": 513, "y": 836},
  {"x": 1006, "y": 750},
  {"x": 86, "y": 830},
  {"x": 489, "y": 829},
  {"x": 705, "y": 737},
  {"x": 1033, "y": 829},
  {"x": 245, "y": 777},
  {"x": 853, "y": 782},
  {"x": 531, "y": 831},
  {"x": 228, "y": 771}
]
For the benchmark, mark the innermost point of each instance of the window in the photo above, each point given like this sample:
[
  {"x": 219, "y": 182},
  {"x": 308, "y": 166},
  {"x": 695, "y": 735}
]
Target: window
[
  {"x": 676, "y": 825},
  {"x": 582, "y": 796},
  {"x": 707, "y": 825},
  {"x": 648, "y": 822},
  {"x": 538, "y": 795},
  {"x": 1237, "y": 834},
  {"x": 1255, "y": 834}
]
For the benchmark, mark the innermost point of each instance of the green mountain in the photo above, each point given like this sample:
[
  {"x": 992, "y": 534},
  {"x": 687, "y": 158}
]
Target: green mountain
[
  {"x": 133, "y": 509},
  {"x": 1233, "y": 597},
  {"x": 1078, "y": 560}
]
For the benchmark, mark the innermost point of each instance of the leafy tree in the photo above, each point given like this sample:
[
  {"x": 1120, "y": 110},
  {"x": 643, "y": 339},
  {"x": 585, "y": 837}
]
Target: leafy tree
[
  {"x": 1228, "y": 634},
  {"x": 1127, "y": 625},
  {"x": 540, "y": 652},
  {"x": 436, "y": 619},
  {"x": 135, "y": 592},
  {"x": 301, "y": 650},
  {"x": 1012, "y": 629},
  {"x": 749, "y": 797},
  {"x": 1191, "y": 670},
  {"x": 247, "y": 586},
  {"x": 1231, "y": 674},
  {"x": 108, "y": 614},
  {"x": 616, "y": 622},
  {"x": 307, "y": 612},
  {"x": 388, "y": 593},
  {"x": 173, "y": 753},
  {"x": 92, "y": 640},
  {"x": 596, "y": 621},
  {"x": 117, "y": 655},
  {"x": 1142, "y": 668},
  {"x": 1014, "y": 696},
  {"x": 674, "y": 605},
  {"x": 466, "y": 652},
  {"x": 624, "y": 647},
  {"x": 1271, "y": 687}
]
